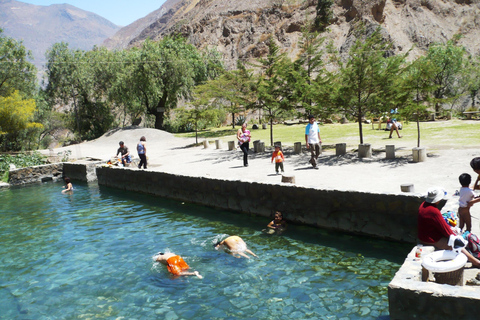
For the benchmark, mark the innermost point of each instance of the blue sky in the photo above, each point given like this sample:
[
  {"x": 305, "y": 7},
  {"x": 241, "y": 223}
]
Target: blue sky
[{"x": 120, "y": 12}]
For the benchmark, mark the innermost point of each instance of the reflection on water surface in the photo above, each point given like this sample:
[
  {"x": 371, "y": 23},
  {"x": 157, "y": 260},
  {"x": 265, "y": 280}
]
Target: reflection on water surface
[{"x": 88, "y": 255}]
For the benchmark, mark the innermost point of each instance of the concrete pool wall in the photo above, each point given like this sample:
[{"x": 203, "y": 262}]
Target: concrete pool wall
[{"x": 387, "y": 216}]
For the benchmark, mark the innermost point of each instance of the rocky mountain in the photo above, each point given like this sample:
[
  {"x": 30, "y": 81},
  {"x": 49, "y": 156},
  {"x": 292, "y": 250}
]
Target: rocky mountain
[
  {"x": 238, "y": 29},
  {"x": 41, "y": 26}
]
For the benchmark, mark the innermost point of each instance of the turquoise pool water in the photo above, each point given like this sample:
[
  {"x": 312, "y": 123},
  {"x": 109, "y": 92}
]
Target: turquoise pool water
[{"x": 88, "y": 255}]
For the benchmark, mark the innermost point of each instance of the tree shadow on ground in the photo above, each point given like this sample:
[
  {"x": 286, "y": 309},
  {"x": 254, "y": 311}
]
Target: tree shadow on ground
[{"x": 301, "y": 161}]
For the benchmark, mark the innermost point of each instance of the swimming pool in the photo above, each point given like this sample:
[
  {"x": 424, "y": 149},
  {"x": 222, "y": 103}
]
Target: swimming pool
[{"x": 88, "y": 255}]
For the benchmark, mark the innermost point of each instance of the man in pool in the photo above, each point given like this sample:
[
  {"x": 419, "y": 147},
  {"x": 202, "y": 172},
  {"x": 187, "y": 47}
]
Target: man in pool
[
  {"x": 235, "y": 246},
  {"x": 175, "y": 264}
]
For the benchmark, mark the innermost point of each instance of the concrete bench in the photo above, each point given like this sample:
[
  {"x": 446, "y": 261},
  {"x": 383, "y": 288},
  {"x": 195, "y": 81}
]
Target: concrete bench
[
  {"x": 379, "y": 122},
  {"x": 470, "y": 114}
]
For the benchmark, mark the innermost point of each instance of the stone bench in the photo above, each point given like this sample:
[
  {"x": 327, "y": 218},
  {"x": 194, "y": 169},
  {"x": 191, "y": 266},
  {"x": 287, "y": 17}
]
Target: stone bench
[{"x": 470, "y": 114}]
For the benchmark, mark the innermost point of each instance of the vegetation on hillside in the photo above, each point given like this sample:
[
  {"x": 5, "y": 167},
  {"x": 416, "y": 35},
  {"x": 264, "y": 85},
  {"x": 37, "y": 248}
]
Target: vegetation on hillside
[{"x": 90, "y": 92}]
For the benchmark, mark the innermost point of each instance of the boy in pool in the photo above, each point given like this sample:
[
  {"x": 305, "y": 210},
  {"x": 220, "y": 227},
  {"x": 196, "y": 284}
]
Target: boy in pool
[
  {"x": 175, "y": 264},
  {"x": 277, "y": 225},
  {"x": 235, "y": 246}
]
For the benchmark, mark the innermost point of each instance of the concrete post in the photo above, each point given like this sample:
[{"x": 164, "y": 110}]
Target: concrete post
[
  {"x": 419, "y": 154},
  {"x": 231, "y": 145},
  {"x": 340, "y": 149},
  {"x": 288, "y": 179},
  {"x": 390, "y": 151},
  {"x": 264, "y": 126},
  {"x": 261, "y": 146},
  {"x": 206, "y": 145},
  {"x": 365, "y": 150},
  {"x": 297, "y": 147},
  {"x": 255, "y": 145},
  {"x": 218, "y": 144},
  {"x": 407, "y": 187}
]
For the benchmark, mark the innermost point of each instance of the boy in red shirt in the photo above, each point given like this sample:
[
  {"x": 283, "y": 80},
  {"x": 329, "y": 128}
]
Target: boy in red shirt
[{"x": 279, "y": 158}]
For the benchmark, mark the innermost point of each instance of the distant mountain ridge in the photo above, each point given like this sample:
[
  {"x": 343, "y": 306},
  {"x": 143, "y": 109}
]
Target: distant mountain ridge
[
  {"x": 239, "y": 29},
  {"x": 41, "y": 26}
]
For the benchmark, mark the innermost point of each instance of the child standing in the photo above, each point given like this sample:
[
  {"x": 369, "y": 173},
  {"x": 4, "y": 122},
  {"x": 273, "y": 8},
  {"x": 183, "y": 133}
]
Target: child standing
[
  {"x": 467, "y": 199},
  {"x": 278, "y": 156}
]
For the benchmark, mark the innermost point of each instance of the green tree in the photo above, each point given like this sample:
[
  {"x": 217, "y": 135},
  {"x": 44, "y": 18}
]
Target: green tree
[
  {"x": 16, "y": 115},
  {"x": 365, "y": 83},
  {"x": 417, "y": 83},
  {"x": 16, "y": 72},
  {"x": 82, "y": 80},
  {"x": 447, "y": 61},
  {"x": 324, "y": 14},
  {"x": 232, "y": 89},
  {"x": 471, "y": 78},
  {"x": 308, "y": 71},
  {"x": 167, "y": 71},
  {"x": 271, "y": 88}
]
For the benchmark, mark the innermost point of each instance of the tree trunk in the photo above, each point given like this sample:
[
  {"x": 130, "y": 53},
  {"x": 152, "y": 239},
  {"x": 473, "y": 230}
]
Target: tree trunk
[
  {"x": 233, "y": 120},
  {"x": 418, "y": 130},
  {"x": 159, "y": 117},
  {"x": 360, "y": 129},
  {"x": 271, "y": 132}
]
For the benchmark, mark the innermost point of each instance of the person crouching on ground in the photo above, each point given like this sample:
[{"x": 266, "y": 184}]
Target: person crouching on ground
[
  {"x": 279, "y": 159},
  {"x": 432, "y": 228},
  {"x": 235, "y": 246},
  {"x": 123, "y": 151},
  {"x": 175, "y": 264}
]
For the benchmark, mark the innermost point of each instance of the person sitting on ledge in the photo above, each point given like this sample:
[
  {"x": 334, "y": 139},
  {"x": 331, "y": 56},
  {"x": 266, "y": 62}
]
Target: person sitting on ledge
[
  {"x": 432, "y": 228},
  {"x": 235, "y": 246}
]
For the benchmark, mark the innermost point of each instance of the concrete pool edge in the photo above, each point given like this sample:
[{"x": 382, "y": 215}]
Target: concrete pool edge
[{"x": 410, "y": 298}]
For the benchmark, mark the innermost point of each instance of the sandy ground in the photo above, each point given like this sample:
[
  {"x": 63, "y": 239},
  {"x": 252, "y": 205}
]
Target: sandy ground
[{"x": 169, "y": 154}]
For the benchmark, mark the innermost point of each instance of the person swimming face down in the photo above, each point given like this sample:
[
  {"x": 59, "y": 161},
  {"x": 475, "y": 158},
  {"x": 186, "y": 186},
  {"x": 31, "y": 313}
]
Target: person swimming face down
[{"x": 235, "y": 246}]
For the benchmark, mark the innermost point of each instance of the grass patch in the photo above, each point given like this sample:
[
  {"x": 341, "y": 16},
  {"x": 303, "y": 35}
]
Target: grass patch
[{"x": 437, "y": 134}]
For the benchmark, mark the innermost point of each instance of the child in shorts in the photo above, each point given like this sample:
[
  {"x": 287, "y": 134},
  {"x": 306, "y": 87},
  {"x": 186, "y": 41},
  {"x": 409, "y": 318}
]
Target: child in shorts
[
  {"x": 466, "y": 200},
  {"x": 279, "y": 158}
]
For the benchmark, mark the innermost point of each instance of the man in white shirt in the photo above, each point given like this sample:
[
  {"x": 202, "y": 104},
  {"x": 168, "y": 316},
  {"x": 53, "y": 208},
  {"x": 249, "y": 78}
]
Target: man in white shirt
[{"x": 313, "y": 140}]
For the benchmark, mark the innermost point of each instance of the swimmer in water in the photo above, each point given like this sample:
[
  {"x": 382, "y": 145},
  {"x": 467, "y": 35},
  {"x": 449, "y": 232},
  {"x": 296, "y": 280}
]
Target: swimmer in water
[
  {"x": 235, "y": 246},
  {"x": 175, "y": 264},
  {"x": 277, "y": 225},
  {"x": 68, "y": 187}
]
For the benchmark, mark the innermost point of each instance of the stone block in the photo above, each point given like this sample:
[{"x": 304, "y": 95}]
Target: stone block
[
  {"x": 340, "y": 149},
  {"x": 297, "y": 147},
  {"x": 419, "y": 154},
  {"x": 364, "y": 150},
  {"x": 390, "y": 152}
]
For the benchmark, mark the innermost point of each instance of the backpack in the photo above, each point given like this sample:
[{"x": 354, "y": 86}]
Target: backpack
[{"x": 473, "y": 245}]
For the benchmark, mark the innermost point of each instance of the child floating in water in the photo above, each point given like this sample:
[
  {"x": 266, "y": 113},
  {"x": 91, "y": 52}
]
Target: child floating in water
[
  {"x": 235, "y": 246},
  {"x": 175, "y": 264},
  {"x": 277, "y": 225},
  {"x": 68, "y": 185}
]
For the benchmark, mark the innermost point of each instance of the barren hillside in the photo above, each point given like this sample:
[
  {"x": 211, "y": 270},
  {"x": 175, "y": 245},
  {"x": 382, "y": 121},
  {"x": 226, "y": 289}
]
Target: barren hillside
[{"x": 238, "y": 29}]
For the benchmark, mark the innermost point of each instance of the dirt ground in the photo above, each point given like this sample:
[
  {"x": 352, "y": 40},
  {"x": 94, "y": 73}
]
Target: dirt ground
[{"x": 170, "y": 154}]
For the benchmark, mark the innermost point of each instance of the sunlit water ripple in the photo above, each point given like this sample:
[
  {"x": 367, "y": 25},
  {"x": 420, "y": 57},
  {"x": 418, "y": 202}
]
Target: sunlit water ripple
[{"x": 89, "y": 255}]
